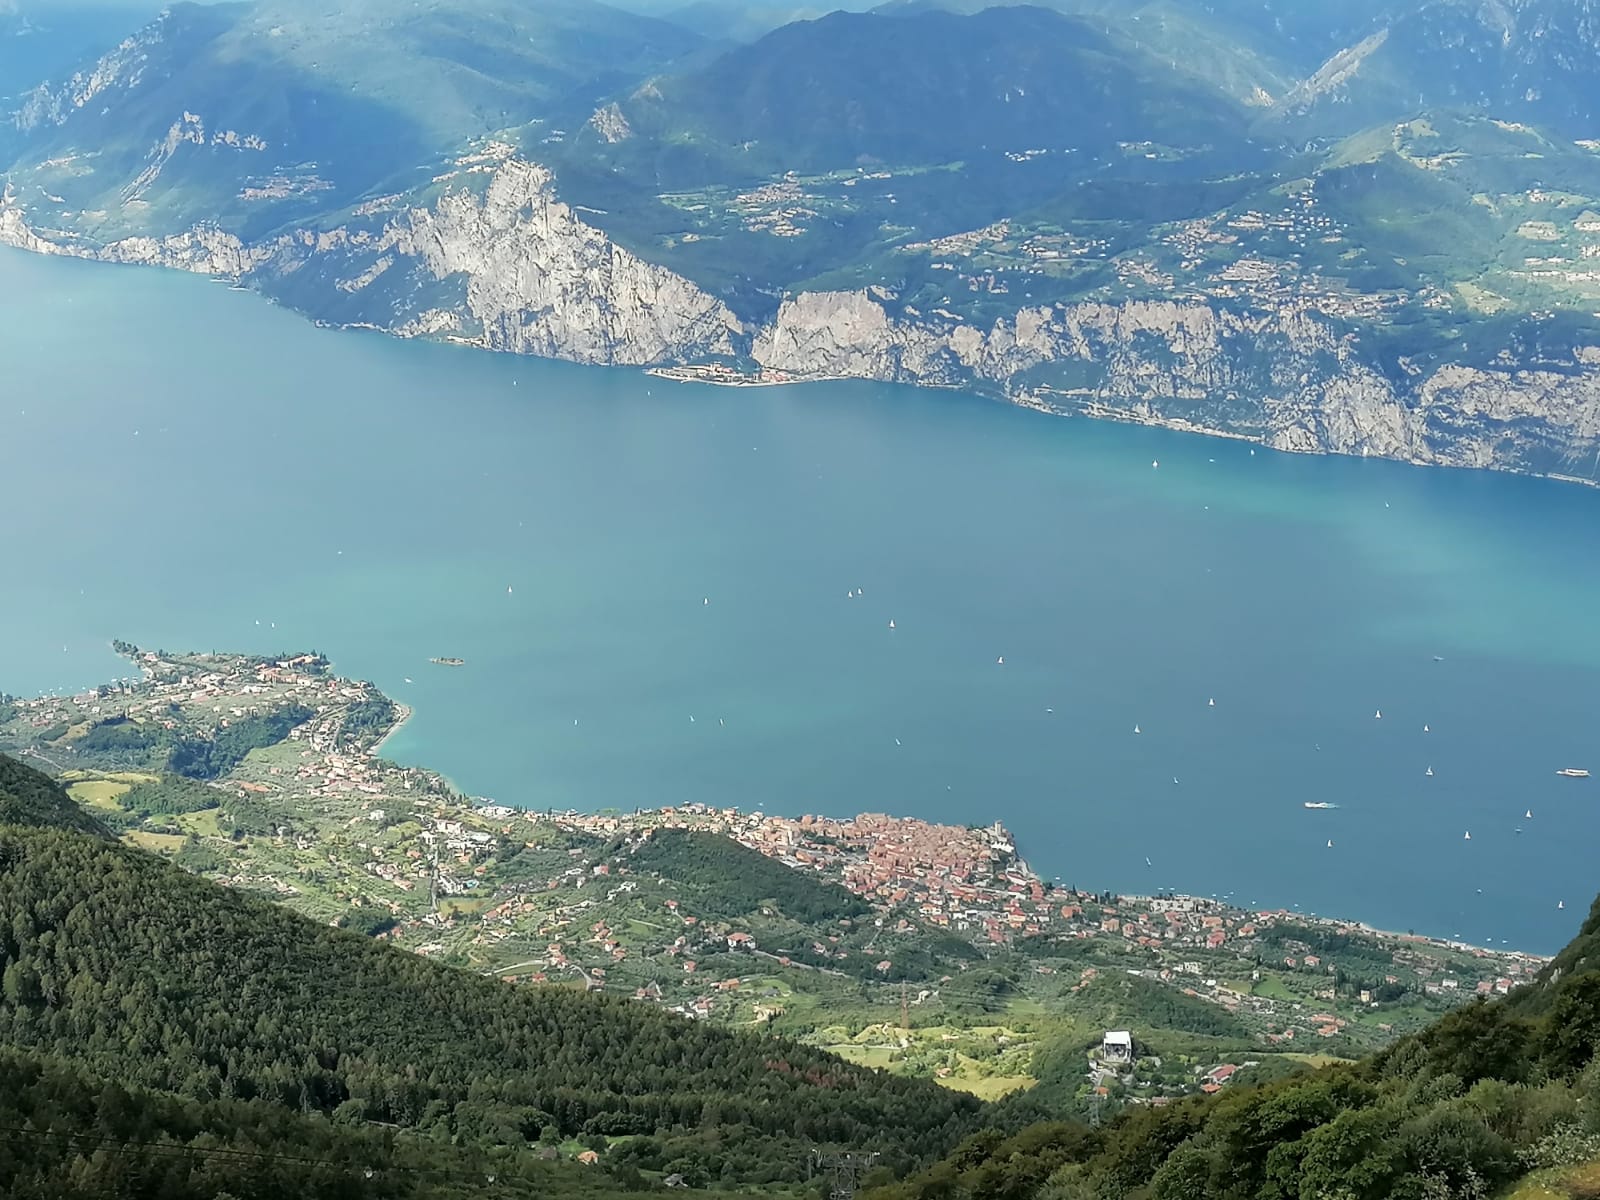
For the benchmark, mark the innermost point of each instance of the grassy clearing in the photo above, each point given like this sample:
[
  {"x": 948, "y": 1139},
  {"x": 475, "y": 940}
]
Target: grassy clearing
[
  {"x": 1558, "y": 1183},
  {"x": 161, "y": 843},
  {"x": 987, "y": 1088},
  {"x": 202, "y": 823},
  {"x": 1317, "y": 1060},
  {"x": 99, "y": 793},
  {"x": 865, "y": 1056},
  {"x": 1272, "y": 988},
  {"x": 462, "y": 906}
]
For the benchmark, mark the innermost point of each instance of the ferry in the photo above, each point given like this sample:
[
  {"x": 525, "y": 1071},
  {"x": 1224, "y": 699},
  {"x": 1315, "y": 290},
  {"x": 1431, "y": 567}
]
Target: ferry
[
  {"x": 1319, "y": 804},
  {"x": 1573, "y": 773}
]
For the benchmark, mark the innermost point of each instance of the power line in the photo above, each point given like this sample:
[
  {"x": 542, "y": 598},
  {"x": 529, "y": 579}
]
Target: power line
[{"x": 846, "y": 1171}]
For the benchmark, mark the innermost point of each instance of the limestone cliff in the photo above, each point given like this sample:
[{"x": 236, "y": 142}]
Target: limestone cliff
[
  {"x": 495, "y": 260},
  {"x": 491, "y": 257},
  {"x": 540, "y": 281},
  {"x": 1287, "y": 378}
]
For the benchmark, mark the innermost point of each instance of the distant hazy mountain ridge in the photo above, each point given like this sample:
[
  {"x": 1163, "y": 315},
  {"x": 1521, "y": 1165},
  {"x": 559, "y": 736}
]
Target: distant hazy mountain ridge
[{"x": 1371, "y": 231}]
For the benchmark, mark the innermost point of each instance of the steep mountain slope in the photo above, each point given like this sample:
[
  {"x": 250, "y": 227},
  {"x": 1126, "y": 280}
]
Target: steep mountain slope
[
  {"x": 1362, "y": 228},
  {"x": 268, "y": 113},
  {"x": 210, "y": 993},
  {"x": 851, "y": 88},
  {"x": 74, "y": 1134},
  {"x": 735, "y": 20},
  {"x": 40, "y": 39},
  {"x": 815, "y": 149},
  {"x": 30, "y": 799},
  {"x": 1530, "y": 61}
]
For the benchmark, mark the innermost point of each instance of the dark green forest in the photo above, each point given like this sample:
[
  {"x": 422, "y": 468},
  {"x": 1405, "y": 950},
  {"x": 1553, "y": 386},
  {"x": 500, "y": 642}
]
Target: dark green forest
[
  {"x": 29, "y": 798},
  {"x": 728, "y": 880},
  {"x": 66, "y": 1134},
  {"x": 172, "y": 795},
  {"x": 128, "y": 968}
]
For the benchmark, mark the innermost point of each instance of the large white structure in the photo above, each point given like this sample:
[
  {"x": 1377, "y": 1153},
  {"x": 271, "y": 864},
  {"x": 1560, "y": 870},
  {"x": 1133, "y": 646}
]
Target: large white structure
[{"x": 1117, "y": 1046}]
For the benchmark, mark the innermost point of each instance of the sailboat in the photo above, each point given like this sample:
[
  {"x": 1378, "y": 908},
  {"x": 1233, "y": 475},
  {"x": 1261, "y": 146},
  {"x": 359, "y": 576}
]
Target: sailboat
[
  {"x": 1211, "y": 703},
  {"x": 1378, "y": 716},
  {"x": 891, "y": 624},
  {"x": 1330, "y": 843},
  {"x": 1561, "y": 903},
  {"x": 1425, "y": 729},
  {"x": 1136, "y": 729},
  {"x": 1528, "y": 816},
  {"x": 1429, "y": 772},
  {"x": 1001, "y": 661},
  {"x": 1468, "y": 836}
]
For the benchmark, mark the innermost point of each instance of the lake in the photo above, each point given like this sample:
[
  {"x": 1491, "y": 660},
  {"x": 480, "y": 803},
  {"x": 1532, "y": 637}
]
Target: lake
[{"x": 650, "y": 584}]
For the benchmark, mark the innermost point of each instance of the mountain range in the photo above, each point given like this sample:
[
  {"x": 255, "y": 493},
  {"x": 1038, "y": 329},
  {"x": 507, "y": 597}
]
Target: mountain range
[{"x": 1366, "y": 228}]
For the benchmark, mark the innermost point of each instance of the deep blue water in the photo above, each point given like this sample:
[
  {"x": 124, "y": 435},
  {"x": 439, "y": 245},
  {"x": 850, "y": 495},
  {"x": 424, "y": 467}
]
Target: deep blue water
[{"x": 186, "y": 466}]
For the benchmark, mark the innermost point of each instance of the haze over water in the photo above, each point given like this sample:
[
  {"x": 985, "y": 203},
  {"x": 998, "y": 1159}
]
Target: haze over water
[{"x": 188, "y": 467}]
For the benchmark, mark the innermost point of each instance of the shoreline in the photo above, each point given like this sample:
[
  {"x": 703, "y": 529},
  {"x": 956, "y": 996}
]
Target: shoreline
[
  {"x": 25, "y": 240},
  {"x": 405, "y": 712},
  {"x": 730, "y": 378}
]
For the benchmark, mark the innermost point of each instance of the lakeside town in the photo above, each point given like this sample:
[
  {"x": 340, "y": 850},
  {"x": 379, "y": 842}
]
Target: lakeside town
[{"x": 889, "y": 921}]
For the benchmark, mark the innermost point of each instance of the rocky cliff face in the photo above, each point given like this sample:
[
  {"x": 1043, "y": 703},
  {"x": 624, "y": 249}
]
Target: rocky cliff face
[
  {"x": 120, "y": 69},
  {"x": 1289, "y": 379},
  {"x": 540, "y": 281},
  {"x": 494, "y": 259}
]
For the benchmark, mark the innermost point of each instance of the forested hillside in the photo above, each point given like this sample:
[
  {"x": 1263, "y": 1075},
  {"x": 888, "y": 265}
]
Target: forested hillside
[
  {"x": 64, "y": 1133},
  {"x": 29, "y": 798},
  {"x": 730, "y": 880},
  {"x": 131, "y": 969}
]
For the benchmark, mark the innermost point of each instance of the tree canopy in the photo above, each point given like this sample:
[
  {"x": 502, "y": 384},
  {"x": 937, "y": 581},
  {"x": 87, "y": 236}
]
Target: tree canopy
[{"x": 128, "y": 968}]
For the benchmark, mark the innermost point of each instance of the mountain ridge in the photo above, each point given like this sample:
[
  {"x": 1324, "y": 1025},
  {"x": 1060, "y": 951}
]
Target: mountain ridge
[{"x": 1437, "y": 306}]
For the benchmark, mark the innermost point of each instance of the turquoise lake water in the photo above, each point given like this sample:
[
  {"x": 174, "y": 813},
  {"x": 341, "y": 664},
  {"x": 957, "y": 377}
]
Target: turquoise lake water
[{"x": 188, "y": 467}]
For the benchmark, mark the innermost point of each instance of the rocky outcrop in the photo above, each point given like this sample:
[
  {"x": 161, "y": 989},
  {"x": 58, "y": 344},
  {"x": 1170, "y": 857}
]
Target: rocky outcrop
[
  {"x": 122, "y": 69},
  {"x": 1288, "y": 378},
  {"x": 496, "y": 261},
  {"x": 540, "y": 281}
]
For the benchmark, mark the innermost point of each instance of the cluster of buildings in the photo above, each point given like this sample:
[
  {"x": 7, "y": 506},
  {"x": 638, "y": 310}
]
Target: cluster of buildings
[
  {"x": 965, "y": 879},
  {"x": 356, "y": 820},
  {"x": 780, "y": 209}
]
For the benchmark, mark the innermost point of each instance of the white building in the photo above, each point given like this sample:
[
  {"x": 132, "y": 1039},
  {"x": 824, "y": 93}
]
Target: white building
[{"x": 1117, "y": 1046}]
